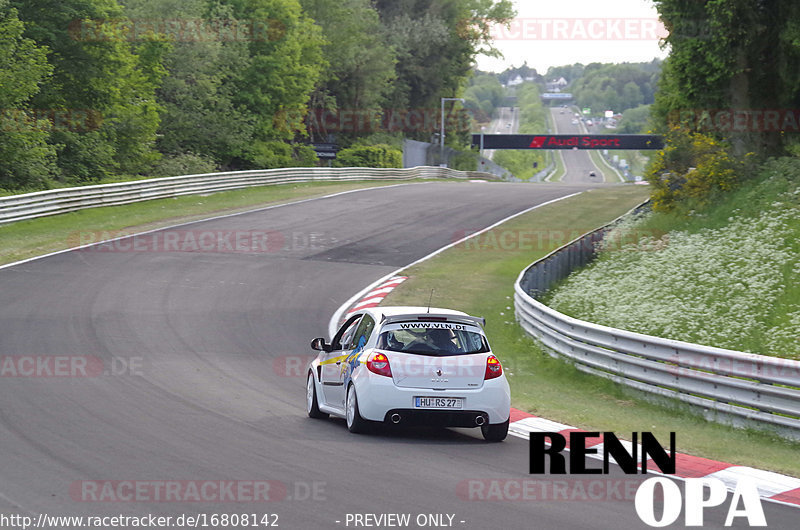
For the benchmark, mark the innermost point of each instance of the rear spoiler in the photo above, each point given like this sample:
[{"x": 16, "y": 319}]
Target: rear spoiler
[{"x": 436, "y": 317}]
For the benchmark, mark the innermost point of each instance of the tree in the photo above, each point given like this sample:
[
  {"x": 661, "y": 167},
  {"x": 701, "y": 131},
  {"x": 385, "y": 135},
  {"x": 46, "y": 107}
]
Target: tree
[
  {"x": 526, "y": 162},
  {"x": 731, "y": 54},
  {"x": 570, "y": 73},
  {"x": 361, "y": 66},
  {"x": 635, "y": 120},
  {"x": 436, "y": 42},
  {"x": 616, "y": 87},
  {"x": 524, "y": 71},
  {"x": 198, "y": 92},
  {"x": 96, "y": 69},
  {"x": 483, "y": 95},
  {"x": 275, "y": 85},
  {"x": 28, "y": 161},
  {"x": 631, "y": 96}
]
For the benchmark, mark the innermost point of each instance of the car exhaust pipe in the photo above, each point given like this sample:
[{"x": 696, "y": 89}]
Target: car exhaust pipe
[
  {"x": 479, "y": 420},
  {"x": 396, "y": 418}
]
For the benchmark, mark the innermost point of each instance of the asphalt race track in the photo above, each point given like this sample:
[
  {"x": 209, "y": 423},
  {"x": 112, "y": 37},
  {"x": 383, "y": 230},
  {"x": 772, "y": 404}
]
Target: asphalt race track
[
  {"x": 577, "y": 161},
  {"x": 200, "y": 375}
]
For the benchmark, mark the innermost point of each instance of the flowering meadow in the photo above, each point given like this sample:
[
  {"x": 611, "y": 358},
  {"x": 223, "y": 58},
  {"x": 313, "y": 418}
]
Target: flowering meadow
[{"x": 733, "y": 283}]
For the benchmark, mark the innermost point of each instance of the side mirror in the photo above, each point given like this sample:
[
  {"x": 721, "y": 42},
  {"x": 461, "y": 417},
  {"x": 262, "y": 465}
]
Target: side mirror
[{"x": 319, "y": 345}]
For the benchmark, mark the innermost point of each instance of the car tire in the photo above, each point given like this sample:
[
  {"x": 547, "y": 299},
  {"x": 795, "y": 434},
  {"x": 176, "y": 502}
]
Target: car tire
[
  {"x": 355, "y": 423},
  {"x": 496, "y": 432},
  {"x": 312, "y": 405}
]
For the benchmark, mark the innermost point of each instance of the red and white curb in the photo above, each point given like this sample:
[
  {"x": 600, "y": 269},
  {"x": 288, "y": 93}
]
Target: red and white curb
[
  {"x": 376, "y": 295},
  {"x": 771, "y": 486}
]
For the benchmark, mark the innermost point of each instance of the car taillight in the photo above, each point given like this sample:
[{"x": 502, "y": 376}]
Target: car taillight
[
  {"x": 493, "y": 368},
  {"x": 379, "y": 364}
]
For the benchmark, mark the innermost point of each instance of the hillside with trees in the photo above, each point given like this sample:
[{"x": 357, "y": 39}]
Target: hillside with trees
[
  {"x": 616, "y": 87},
  {"x": 727, "y": 98},
  {"x": 94, "y": 90}
]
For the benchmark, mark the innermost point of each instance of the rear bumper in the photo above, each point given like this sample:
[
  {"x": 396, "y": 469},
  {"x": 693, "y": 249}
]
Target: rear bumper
[
  {"x": 437, "y": 418},
  {"x": 378, "y": 397}
]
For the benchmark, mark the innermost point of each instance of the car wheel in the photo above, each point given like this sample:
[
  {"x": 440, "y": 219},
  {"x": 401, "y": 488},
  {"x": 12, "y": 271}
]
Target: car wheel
[
  {"x": 312, "y": 406},
  {"x": 496, "y": 432},
  {"x": 355, "y": 423}
]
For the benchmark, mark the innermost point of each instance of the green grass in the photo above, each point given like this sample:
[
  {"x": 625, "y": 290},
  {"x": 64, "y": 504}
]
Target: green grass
[
  {"x": 637, "y": 160},
  {"x": 26, "y": 239},
  {"x": 727, "y": 275},
  {"x": 560, "y": 171},
  {"x": 478, "y": 278},
  {"x": 609, "y": 173}
]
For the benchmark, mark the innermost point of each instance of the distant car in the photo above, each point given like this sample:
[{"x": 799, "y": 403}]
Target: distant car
[
  {"x": 410, "y": 366},
  {"x": 592, "y": 174},
  {"x": 574, "y": 122},
  {"x": 589, "y": 123}
]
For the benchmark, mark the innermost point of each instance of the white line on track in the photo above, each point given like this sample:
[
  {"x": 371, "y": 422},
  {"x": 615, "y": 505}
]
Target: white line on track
[
  {"x": 334, "y": 322},
  {"x": 301, "y": 201}
]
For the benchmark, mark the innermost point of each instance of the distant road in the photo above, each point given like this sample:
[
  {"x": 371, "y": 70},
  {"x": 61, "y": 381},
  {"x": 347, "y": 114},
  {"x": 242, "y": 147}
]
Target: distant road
[
  {"x": 507, "y": 122},
  {"x": 578, "y": 162}
]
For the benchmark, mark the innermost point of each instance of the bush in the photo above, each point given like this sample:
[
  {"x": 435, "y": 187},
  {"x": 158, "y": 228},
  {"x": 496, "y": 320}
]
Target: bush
[
  {"x": 369, "y": 156},
  {"x": 184, "y": 164},
  {"x": 692, "y": 169},
  {"x": 28, "y": 161}
]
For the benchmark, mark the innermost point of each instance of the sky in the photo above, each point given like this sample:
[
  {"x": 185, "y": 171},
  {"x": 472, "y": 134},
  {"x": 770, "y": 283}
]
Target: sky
[{"x": 558, "y": 32}]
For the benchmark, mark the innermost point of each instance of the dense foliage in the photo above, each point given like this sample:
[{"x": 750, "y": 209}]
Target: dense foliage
[
  {"x": 731, "y": 55},
  {"x": 483, "y": 95},
  {"x": 727, "y": 97},
  {"x": 101, "y": 89},
  {"x": 616, "y": 87}
]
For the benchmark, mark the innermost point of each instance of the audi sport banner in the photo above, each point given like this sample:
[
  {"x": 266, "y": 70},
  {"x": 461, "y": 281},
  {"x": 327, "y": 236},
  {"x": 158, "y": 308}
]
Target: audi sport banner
[{"x": 568, "y": 141}]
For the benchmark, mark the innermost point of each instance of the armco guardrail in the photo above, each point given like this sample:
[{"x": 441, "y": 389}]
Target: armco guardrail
[
  {"x": 731, "y": 387},
  {"x": 51, "y": 202}
]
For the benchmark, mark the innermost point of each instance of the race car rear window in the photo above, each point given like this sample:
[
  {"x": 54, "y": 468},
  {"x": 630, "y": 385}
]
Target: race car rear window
[{"x": 425, "y": 338}]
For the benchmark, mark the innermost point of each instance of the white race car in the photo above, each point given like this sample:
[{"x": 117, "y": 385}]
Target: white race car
[{"x": 410, "y": 365}]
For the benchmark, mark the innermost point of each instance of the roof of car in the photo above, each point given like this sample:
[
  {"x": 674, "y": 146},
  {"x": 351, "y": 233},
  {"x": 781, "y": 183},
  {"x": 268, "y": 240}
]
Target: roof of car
[
  {"x": 397, "y": 313},
  {"x": 391, "y": 311}
]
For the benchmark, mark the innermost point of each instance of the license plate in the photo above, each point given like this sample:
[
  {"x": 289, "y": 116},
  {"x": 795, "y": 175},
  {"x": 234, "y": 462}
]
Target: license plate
[{"x": 438, "y": 403}]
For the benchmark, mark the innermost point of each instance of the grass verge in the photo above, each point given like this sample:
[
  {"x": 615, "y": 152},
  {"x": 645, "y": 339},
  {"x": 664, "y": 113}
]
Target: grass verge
[
  {"x": 560, "y": 171},
  {"x": 35, "y": 237},
  {"x": 478, "y": 277},
  {"x": 726, "y": 276},
  {"x": 609, "y": 173}
]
